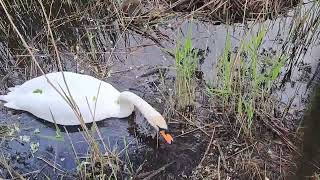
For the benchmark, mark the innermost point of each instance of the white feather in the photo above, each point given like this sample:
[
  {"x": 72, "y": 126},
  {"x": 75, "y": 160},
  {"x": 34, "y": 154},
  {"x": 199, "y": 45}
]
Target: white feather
[
  {"x": 96, "y": 100},
  {"x": 38, "y": 97}
]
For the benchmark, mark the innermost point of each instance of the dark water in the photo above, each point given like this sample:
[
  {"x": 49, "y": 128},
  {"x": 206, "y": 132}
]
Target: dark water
[
  {"x": 119, "y": 135},
  {"x": 56, "y": 150},
  {"x": 309, "y": 163}
]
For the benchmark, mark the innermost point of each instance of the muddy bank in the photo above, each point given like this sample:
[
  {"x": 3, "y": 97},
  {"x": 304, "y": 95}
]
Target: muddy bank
[{"x": 235, "y": 11}]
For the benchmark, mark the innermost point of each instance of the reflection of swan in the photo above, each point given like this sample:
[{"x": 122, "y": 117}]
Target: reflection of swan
[{"x": 96, "y": 100}]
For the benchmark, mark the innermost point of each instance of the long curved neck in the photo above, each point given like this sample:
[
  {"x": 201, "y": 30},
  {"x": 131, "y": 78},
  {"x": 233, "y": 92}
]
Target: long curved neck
[{"x": 146, "y": 109}]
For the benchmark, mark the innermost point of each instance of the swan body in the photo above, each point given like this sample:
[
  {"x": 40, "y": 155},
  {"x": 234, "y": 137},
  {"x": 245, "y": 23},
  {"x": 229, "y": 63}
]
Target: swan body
[
  {"x": 38, "y": 97},
  {"x": 95, "y": 99}
]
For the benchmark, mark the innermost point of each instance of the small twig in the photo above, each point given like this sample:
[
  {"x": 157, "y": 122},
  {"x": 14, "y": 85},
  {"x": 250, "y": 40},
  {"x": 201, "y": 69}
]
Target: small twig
[
  {"x": 221, "y": 154},
  {"x": 72, "y": 145},
  {"x": 50, "y": 164},
  {"x": 192, "y": 123},
  {"x": 158, "y": 171},
  {"x": 199, "y": 128},
  {"x": 36, "y": 172},
  {"x": 11, "y": 171},
  {"x": 208, "y": 148},
  {"x": 219, "y": 168},
  {"x": 241, "y": 150},
  {"x": 280, "y": 159},
  {"x": 126, "y": 70},
  {"x": 205, "y": 5},
  {"x": 276, "y": 129}
]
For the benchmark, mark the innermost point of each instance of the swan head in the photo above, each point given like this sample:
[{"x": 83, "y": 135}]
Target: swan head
[
  {"x": 161, "y": 126},
  {"x": 154, "y": 118}
]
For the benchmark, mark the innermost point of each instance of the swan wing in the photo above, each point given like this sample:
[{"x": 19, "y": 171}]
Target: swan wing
[{"x": 95, "y": 99}]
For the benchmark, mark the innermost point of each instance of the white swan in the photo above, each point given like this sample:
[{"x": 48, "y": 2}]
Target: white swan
[{"x": 96, "y": 100}]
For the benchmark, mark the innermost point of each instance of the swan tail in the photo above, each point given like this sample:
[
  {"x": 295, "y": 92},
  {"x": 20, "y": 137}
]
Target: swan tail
[
  {"x": 13, "y": 88},
  {"x": 3, "y": 98},
  {"x": 11, "y": 106},
  {"x": 8, "y": 103}
]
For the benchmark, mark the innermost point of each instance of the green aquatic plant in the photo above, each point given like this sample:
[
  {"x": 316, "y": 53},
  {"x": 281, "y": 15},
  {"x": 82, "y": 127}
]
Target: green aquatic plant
[
  {"x": 34, "y": 147},
  {"x": 224, "y": 70},
  {"x": 245, "y": 78},
  {"x": 186, "y": 64}
]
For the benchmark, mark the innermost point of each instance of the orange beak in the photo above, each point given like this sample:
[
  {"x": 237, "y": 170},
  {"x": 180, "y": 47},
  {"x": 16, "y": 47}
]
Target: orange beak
[{"x": 166, "y": 137}]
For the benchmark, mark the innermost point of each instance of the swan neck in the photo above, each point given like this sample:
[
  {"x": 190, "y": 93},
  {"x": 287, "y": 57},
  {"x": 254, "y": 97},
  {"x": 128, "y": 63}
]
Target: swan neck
[{"x": 146, "y": 109}]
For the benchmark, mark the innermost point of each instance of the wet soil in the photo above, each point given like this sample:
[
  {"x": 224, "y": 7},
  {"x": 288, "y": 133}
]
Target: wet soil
[{"x": 235, "y": 11}]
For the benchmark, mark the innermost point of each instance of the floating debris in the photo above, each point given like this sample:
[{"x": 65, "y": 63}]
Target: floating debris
[
  {"x": 25, "y": 138},
  {"x": 36, "y": 131},
  {"x": 34, "y": 147}
]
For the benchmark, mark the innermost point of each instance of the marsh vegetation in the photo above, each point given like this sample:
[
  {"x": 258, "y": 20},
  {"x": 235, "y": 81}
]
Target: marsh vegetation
[{"x": 232, "y": 78}]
